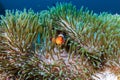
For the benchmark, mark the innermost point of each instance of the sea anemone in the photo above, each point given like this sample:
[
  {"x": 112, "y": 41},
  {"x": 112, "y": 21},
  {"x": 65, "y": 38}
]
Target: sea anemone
[
  {"x": 28, "y": 53},
  {"x": 97, "y": 35},
  {"x": 20, "y": 30}
]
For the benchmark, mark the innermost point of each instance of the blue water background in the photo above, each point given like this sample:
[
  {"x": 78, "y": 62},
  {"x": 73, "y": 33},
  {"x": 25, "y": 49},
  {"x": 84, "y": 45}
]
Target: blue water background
[{"x": 110, "y": 6}]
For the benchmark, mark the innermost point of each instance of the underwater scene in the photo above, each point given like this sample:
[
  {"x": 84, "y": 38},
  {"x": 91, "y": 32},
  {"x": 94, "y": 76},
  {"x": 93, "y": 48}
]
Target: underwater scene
[{"x": 59, "y": 40}]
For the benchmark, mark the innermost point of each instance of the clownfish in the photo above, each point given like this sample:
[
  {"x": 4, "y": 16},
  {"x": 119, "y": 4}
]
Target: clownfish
[{"x": 59, "y": 40}]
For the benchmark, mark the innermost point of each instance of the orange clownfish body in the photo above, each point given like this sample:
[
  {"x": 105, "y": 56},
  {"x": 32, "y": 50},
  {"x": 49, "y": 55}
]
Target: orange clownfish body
[{"x": 59, "y": 40}]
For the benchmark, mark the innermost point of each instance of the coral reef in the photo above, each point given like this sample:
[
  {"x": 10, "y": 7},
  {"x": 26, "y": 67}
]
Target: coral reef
[{"x": 91, "y": 42}]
